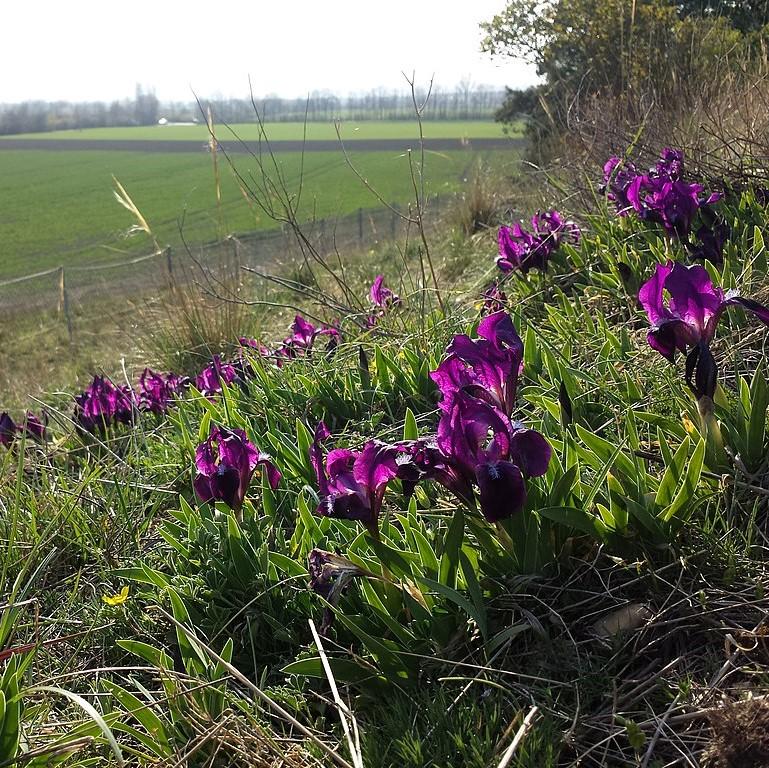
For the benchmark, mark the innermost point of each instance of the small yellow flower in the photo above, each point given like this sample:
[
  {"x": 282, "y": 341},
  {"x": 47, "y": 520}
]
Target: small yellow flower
[{"x": 117, "y": 599}]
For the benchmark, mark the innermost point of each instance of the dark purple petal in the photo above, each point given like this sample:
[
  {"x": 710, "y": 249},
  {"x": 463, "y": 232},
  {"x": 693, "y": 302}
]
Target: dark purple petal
[
  {"x": 226, "y": 462},
  {"x": 33, "y": 426},
  {"x": 273, "y": 473},
  {"x": 203, "y": 488},
  {"x": 502, "y": 489},
  {"x": 8, "y": 430},
  {"x": 381, "y": 295},
  {"x": 498, "y": 328},
  {"x": 530, "y": 451},
  {"x": 669, "y": 337}
]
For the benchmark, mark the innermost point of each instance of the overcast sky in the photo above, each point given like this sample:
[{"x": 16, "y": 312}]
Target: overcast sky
[{"x": 100, "y": 49}]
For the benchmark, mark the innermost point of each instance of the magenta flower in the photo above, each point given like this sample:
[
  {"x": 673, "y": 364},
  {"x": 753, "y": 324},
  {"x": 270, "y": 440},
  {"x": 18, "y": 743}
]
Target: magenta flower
[
  {"x": 104, "y": 403},
  {"x": 673, "y": 204},
  {"x": 494, "y": 298},
  {"x": 8, "y": 430},
  {"x": 381, "y": 295},
  {"x": 34, "y": 426},
  {"x": 225, "y": 463},
  {"x": 660, "y": 196},
  {"x": 519, "y": 249},
  {"x": 351, "y": 484},
  {"x": 684, "y": 307},
  {"x": 617, "y": 177},
  {"x": 486, "y": 368},
  {"x": 209, "y": 381},
  {"x": 477, "y": 443},
  {"x": 156, "y": 391},
  {"x": 487, "y": 449},
  {"x": 383, "y": 300}
]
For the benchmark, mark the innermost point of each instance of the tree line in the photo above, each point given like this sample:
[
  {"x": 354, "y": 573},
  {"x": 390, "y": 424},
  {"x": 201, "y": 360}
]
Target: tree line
[{"x": 465, "y": 102}]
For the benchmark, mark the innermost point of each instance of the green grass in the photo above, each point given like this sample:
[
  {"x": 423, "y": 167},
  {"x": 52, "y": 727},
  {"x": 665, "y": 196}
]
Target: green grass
[
  {"x": 350, "y": 130},
  {"x": 458, "y": 628},
  {"x": 58, "y": 207}
]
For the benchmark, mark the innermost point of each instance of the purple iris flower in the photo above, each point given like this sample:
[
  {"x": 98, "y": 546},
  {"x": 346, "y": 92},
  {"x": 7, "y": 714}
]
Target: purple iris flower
[
  {"x": 304, "y": 334},
  {"x": 660, "y": 196},
  {"x": 351, "y": 484},
  {"x": 209, "y": 381},
  {"x": 519, "y": 249},
  {"x": 684, "y": 307},
  {"x": 477, "y": 443},
  {"x": 670, "y": 165},
  {"x": 302, "y": 339},
  {"x": 673, "y": 204},
  {"x": 617, "y": 177},
  {"x": 226, "y": 462},
  {"x": 104, "y": 403},
  {"x": 494, "y": 298},
  {"x": 487, "y": 367},
  {"x": 34, "y": 426},
  {"x": 381, "y": 295},
  {"x": 383, "y": 299},
  {"x": 8, "y": 430},
  {"x": 156, "y": 391},
  {"x": 496, "y": 454},
  {"x": 551, "y": 224}
]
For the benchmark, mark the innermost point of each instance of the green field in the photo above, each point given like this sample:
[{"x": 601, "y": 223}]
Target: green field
[
  {"x": 58, "y": 207},
  {"x": 349, "y": 129}
]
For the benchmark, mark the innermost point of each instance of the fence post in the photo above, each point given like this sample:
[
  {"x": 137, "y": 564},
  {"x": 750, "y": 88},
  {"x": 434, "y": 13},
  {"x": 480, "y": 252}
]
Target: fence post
[
  {"x": 170, "y": 265},
  {"x": 64, "y": 301},
  {"x": 360, "y": 225}
]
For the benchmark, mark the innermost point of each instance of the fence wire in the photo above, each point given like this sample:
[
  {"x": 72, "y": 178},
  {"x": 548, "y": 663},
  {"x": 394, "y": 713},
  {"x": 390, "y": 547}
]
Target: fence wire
[{"x": 74, "y": 288}]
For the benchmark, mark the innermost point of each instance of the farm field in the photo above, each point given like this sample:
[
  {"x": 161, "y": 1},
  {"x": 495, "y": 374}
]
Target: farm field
[
  {"x": 58, "y": 208},
  {"x": 320, "y": 131}
]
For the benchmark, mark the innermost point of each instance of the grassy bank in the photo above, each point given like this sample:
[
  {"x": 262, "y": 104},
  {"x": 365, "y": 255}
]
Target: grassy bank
[{"x": 613, "y": 617}]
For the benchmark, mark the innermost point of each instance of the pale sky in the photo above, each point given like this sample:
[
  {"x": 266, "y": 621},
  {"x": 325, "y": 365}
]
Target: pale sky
[{"x": 99, "y": 49}]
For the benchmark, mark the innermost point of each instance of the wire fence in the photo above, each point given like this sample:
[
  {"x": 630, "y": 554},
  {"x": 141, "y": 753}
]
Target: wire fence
[{"x": 67, "y": 290}]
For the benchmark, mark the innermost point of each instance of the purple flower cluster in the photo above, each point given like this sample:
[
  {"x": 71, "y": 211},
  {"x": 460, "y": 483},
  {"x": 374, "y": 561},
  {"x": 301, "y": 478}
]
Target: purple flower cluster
[
  {"x": 479, "y": 442},
  {"x": 210, "y": 380},
  {"x": 225, "y": 463},
  {"x": 684, "y": 307},
  {"x": 33, "y": 427},
  {"x": 104, "y": 403},
  {"x": 476, "y": 445},
  {"x": 662, "y": 196},
  {"x": 351, "y": 484},
  {"x": 299, "y": 343},
  {"x": 522, "y": 250}
]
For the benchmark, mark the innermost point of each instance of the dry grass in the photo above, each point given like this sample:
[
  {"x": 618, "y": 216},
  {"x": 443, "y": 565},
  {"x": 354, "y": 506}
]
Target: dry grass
[{"x": 740, "y": 735}]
